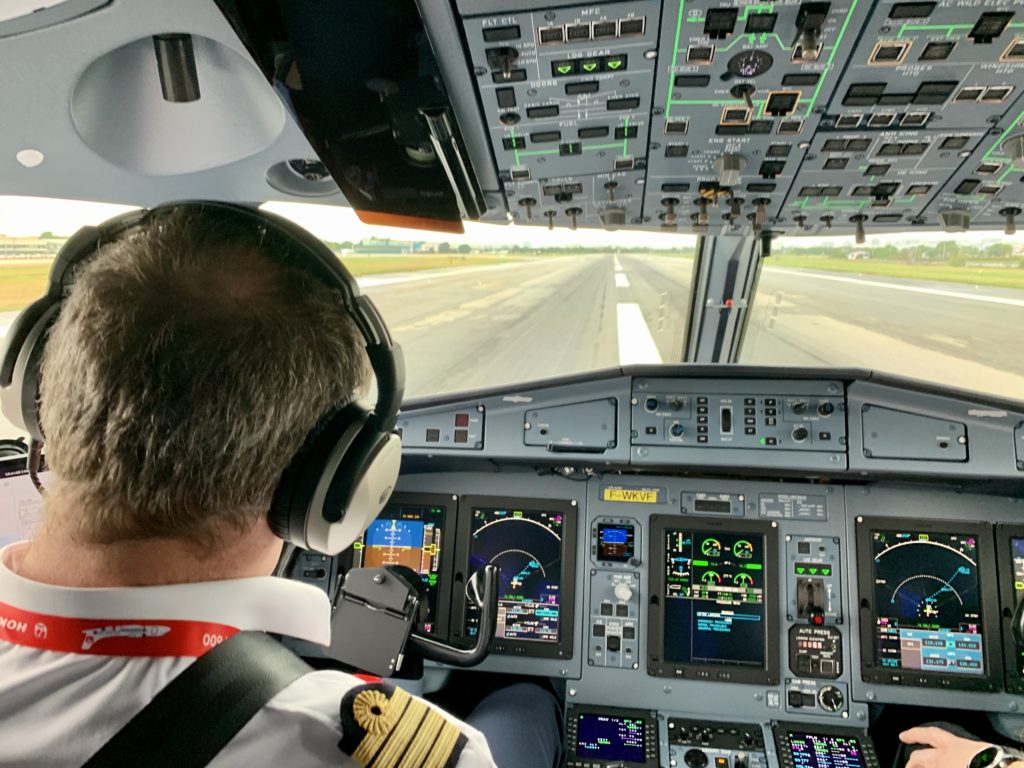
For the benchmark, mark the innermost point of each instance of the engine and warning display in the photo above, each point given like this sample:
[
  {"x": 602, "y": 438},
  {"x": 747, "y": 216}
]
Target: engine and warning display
[
  {"x": 714, "y": 598},
  {"x": 928, "y": 605},
  {"x": 412, "y": 535},
  {"x": 527, "y": 546},
  {"x": 718, "y": 608}
]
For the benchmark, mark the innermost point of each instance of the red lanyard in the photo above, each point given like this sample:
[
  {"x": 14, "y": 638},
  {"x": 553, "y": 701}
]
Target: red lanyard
[{"x": 110, "y": 637}]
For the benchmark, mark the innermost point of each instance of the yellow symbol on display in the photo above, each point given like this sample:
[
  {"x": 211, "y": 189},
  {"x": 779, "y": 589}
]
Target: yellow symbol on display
[{"x": 431, "y": 549}]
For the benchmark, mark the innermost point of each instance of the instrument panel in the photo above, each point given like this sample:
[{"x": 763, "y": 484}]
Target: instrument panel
[{"x": 741, "y": 603}]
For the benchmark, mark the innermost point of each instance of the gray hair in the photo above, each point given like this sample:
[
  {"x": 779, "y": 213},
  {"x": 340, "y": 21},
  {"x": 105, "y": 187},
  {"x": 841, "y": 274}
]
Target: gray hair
[{"x": 183, "y": 373}]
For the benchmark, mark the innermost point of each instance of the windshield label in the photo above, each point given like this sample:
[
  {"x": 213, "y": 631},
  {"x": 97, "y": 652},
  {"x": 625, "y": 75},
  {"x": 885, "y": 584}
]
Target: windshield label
[{"x": 620, "y": 494}]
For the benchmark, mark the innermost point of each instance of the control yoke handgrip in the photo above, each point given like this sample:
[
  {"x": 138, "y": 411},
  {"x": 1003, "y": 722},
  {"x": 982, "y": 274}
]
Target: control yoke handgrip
[
  {"x": 1017, "y": 624},
  {"x": 482, "y": 589}
]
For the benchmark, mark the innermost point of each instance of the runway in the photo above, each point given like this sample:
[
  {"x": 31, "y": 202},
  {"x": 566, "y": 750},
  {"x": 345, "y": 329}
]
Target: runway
[{"x": 473, "y": 327}]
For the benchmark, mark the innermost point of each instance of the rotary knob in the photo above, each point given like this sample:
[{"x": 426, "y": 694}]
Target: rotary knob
[
  {"x": 831, "y": 698},
  {"x": 623, "y": 592}
]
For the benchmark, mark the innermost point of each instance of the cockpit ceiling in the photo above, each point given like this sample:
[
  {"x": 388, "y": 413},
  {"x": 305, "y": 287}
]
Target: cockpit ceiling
[{"x": 692, "y": 116}]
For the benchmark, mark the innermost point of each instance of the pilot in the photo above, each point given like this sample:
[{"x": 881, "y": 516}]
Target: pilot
[
  {"x": 182, "y": 374},
  {"x": 948, "y": 746}
]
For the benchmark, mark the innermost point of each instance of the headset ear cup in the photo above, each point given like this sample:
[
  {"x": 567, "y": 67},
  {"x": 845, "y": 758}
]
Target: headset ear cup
[
  {"x": 19, "y": 395},
  {"x": 363, "y": 501},
  {"x": 298, "y": 487}
]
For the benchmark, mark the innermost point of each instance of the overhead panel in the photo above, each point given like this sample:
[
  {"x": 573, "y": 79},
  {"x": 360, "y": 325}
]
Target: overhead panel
[
  {"x": 912, "y": 136},
  {"x": 566, "y": 94},
  {"x": 740, "y": 94},
  {"x": 718, "y": 117}
]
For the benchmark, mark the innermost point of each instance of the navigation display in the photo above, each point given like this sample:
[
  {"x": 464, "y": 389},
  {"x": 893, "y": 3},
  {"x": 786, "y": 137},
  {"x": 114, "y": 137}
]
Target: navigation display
[
  {"x": 608, "y": 737},
  {"x": 412, "y": 535},
  {"x": 715, "y": 598},
  {"x": 527, "y": 546},
  {"x": 927, "y": 602},
  {"x": 813, "y": 750}
]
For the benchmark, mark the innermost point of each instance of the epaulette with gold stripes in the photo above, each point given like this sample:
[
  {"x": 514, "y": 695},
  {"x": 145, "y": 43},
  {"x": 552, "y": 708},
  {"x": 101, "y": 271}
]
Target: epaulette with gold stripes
[{"x": 385, "y": 727}]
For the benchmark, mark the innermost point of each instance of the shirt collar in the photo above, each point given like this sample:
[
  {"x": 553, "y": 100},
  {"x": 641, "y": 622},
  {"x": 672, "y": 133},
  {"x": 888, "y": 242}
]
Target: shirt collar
[{"x": 263, "y": 603}]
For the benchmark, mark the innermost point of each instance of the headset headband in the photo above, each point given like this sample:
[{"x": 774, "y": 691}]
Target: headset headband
[{"x": 385, "y": 355}]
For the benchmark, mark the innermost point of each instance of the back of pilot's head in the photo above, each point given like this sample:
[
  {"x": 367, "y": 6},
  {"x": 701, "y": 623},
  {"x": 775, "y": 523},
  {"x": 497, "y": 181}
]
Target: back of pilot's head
[{"x": 182, "y": 375}]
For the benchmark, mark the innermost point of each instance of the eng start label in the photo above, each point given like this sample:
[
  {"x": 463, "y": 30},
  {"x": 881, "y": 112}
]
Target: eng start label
[{"x": 620, "y": 494}]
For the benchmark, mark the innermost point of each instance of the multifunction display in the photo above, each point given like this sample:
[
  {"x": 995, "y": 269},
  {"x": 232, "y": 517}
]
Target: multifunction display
[
  {"x": 814, "y": 750},
  {"x": 616, "y": 543},
  {"x": 716, "y": 607},
  {"x": 526, "y": 545},
  {"x": 617, "y": 738},
  {"x": 927, "y": 599},
  {"x": 606, "y": 737},
  {"x": 412, "y": 535},
  {"x": 714, "y": 598}
]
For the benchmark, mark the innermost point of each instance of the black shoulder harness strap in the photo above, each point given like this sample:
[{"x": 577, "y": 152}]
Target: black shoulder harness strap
[{"x": 201, "y": 710}]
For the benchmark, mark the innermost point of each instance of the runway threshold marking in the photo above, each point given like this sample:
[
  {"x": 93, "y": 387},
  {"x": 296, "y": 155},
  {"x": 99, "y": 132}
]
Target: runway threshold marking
[
  {"x": 621, "y": 281},
  {"x": 907, "y": 288},
  {"x": 636, "y": 344}
]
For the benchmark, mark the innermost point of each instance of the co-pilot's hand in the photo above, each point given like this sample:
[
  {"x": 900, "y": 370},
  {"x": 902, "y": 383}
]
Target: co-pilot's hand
[{"x": 944, "y": 749}]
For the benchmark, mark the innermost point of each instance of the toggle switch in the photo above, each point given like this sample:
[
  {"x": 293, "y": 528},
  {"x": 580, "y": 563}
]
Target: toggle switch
[
  {"x": 827, "y": 221},
  {"x": 502, "y": 58},
  {"x": 669, "y": 218},
  {"x": 551, "y": 219},
  {"x": 1010, "y": 217},
  {"x": 858, "y": 220},
  {"x": 528, "y": 203},
  {"x": 572, "y": 213}
]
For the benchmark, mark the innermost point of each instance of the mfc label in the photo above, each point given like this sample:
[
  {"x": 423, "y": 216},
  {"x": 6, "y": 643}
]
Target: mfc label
[{"x": 792, "y": 506}]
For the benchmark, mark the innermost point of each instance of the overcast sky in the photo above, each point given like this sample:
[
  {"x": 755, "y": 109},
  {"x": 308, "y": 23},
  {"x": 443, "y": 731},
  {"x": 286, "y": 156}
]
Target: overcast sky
[{"x": 29, "y": 216}]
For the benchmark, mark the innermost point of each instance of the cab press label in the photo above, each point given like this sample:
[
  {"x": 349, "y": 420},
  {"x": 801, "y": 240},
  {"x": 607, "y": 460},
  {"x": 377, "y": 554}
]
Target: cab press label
[{"x": 625, "y": 495}]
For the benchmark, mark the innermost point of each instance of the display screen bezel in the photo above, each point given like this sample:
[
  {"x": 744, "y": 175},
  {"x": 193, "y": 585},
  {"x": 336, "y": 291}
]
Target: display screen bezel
[
  {"x": 563, "y": 649},
  {"x": 657, "y": 666},
  {"x": 446, "y": 561},
  {"x": 871, "y": 672},
  {"x": 1005, "y": 534},
  {"x": 782, "y": 731},
  {"x": 650, "y": 730}
]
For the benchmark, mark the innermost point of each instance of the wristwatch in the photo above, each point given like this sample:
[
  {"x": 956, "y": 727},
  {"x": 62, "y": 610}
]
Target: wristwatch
[{"x": 995, "y": 757}]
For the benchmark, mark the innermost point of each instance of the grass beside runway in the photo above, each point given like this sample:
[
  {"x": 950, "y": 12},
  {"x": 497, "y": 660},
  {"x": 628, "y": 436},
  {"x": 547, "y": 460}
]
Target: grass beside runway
[
  {"x": 22, "y": 281},
  {"x": 996, "y": 277}
]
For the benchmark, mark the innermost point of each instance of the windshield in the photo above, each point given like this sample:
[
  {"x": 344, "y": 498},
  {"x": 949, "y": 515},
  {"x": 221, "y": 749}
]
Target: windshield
[
  {"x": 502, "y": 304},
  {"x": 496, "y": 306},
  {"x": 926, "y": 306}
]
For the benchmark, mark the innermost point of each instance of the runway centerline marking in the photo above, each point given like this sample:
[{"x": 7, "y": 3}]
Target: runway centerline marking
[
  {"x": 636, "y": 344},
  {"x": 907, "y": 288},
  {"x": 621, "y": 281}
]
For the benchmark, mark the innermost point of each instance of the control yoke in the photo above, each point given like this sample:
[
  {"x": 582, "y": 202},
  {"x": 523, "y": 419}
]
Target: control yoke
[{"x": 377, "y": 610}]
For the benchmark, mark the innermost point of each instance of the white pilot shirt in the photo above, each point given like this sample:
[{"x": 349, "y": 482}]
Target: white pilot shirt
[{"x": 58, "y": 708}]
